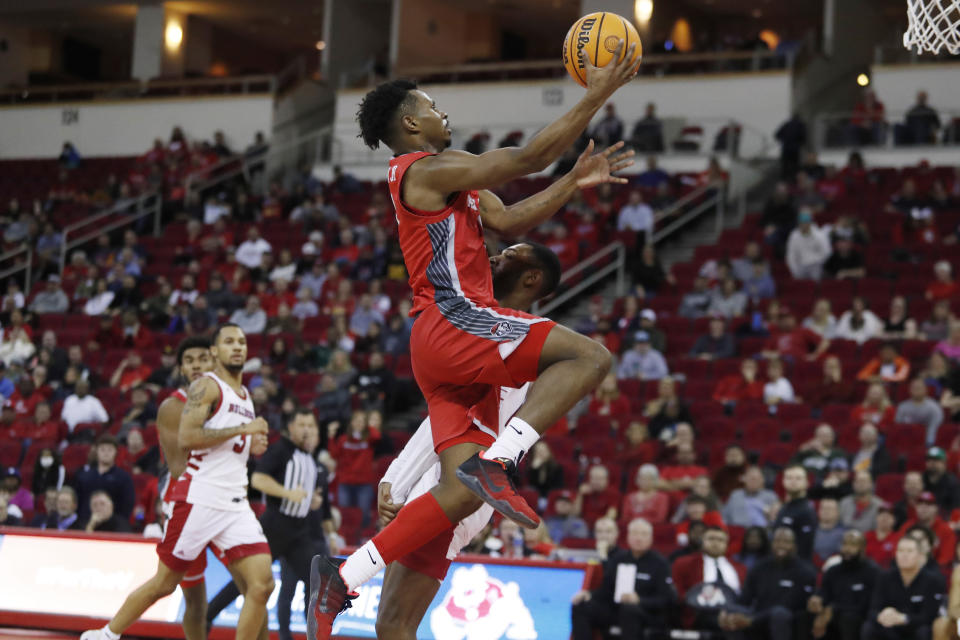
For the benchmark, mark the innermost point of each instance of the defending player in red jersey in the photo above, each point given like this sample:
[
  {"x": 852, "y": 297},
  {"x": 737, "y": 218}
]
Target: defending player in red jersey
[
  {"x": 220, "y": 430},
  {"x": 463, "y": 345}
]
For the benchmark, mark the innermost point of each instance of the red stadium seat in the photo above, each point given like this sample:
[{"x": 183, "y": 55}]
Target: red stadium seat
[{"x": 889, "y": 486}]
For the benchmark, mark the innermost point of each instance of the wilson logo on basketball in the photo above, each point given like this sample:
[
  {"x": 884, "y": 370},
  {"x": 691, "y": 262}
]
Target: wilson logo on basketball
[
  {"x": 610, "y": 43},
  {"x": 583, "y": 38}
]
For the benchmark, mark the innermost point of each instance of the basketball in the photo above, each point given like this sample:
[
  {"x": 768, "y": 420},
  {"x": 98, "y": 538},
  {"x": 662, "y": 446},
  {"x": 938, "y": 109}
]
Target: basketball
[{"x": 597, "y": 36}]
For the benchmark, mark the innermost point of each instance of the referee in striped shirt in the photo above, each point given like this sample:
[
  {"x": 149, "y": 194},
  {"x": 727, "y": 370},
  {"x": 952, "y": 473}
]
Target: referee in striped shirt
[{"x": 295, "y": 489}]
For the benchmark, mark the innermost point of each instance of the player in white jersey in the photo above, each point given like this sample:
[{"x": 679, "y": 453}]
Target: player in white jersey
[
  {"x": 219, "y": 428},
  {"x": 193, "y": 360},
  {"x": 520, "y": 277}
]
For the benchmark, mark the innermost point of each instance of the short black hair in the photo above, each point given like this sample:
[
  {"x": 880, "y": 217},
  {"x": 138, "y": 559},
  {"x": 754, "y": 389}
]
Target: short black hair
[
  {"x": 695, "y": 499},
  {"x": 548, "y": 261},
  {"x": 379, "y": 108},
  {"x": 193, "y": 342},
  {"x": 225, "y": 325},
  {"x": 927, "y": 533}
]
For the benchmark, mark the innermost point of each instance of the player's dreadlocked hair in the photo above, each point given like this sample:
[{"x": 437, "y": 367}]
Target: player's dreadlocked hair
[{"x": 378, "y": 109}]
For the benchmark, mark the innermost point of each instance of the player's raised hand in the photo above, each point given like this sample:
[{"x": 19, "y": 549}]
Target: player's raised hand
[
  {"x": 596, "y": 168},
  {"x": 385, "y": 506},
  {"x": 603, "y": 81},
  {"x": 257, "y": 425}
]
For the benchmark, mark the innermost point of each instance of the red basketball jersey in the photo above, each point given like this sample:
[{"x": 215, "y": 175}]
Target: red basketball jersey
[{"x": 443, "y": 250}]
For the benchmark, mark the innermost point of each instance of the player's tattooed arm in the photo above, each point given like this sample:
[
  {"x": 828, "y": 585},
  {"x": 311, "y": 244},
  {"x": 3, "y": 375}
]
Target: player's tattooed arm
[{"x": 201, "y": 399}]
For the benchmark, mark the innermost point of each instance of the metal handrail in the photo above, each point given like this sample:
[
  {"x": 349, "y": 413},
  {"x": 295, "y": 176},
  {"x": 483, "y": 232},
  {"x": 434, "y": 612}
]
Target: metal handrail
[
  {"x": 698, "y": 210},
  {"x": 17, "y": 268},
  {"x": 618, "y": 265},
  {"x": 142, "y": 210},
  {"x": 133, "y": 89},
  {"x": 890, "y": 120}
]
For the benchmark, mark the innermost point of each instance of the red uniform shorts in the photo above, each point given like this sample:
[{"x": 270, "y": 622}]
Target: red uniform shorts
[
  {"x": 431, "y": 559},
  {"x": 462, "y": 356}
]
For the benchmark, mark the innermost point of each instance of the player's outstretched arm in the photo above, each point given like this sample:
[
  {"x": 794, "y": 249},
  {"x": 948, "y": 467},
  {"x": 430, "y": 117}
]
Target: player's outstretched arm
[
  {"x": 591, "y": 169},
  {"x": 202, "y": 397},
  {"x": 452, "y": 171}
]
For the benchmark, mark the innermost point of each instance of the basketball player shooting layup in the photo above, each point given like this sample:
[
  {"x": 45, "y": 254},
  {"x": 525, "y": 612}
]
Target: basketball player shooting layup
[
  {"x": 193, "y": 360},
  {"x": 219, "y": 428},
  {"x": 522, "y": 274},
  {"x": 463, "y": 345}
]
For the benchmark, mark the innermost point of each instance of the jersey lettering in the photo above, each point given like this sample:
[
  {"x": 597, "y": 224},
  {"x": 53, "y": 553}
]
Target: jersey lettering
[{"x": 240, "y": 446}]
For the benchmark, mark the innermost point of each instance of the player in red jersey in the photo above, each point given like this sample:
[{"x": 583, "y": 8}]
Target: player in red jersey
[
  {"x": 193, "y": 360},
  {"x": 463, "y": 345}
]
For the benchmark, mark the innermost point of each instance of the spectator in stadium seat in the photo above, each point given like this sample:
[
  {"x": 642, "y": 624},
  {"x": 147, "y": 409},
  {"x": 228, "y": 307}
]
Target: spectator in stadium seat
[
  {"x": 595, "y": 497},
  {"x": 48, "y": 471},
  {"x": 18, "y": 495},
  {"x": 374, "y": 385},
  {"x": 353, "y": 451},
  {"x": 776, "y": 591},
  {"x": 906, "y": 507},
  {"x": 285, "y": 269},
  {"x": 637, "y": 216},
  {"x": 906, "y": 598},
  {"x": 14, "y": 298},
  {"x": 872, "y": 456},
  {"x": 52, "y": 299},
  {"x": 830, "y": 531},
  {"x": 727, "y": 300},
  {"x": 846, "y": 262},
  {"x": 695, "y": 303},
  {"x": 127, "y": 296},
  {"x": 777, "y": 388},
  {"x": 647, "y": 502},
  {"x": 816, "y": 455},
  {"x": 649, "y": 273},
  {"x": 642, "y": 608},
  {"x": 608, "y": 401},
  {"x": 653, "y": 176},
  {"x": 882, "y": 540},
  {"x": 251, "y": 318},
  {"x": 143, "y": 459},
  {"x": 251, "y": 251},
  {"x": 637, "y": 447},
  {"x": 8, "y": 517},
  {"x": 950, "y": 347},
  {"x": 937, "y": 327},
  {"x": 808, "y": 248},
  {"x": 63, "y": 517},
  {"x": 868, "y": 125},
  {"x": 666, "y": 411},
  {"x": 701, "y": 504},
  {"x": 305, "y": 307},
  {"x": 605, "y": 534},
  {"x": 102, "y": 518},
  {"x": 100, "y": 301},
  {"x": 544, "y": 473},
  {"x": 859, "y": 510},
  {"x": 364, "y": 316},
  {"x": 944, "y": 539},
  {"x": 943, "y": 287},
  {"x": 842, "y": 601},
  {"x": 836, "y": 483},
  {"x": 729, "y": 477},
  {"x": 887, "y": 366},
  {"x": 779, "y": 217},
  {"x": 807, "y": 197},
  {"x": 187, "y": 292},
  {"x": 832, "y": 388},
  {"x": 130, "y": 373},
  {"x": 899, "y": 325},
  {"x": 647, "y": 134},
  {"x": 717, "y": 344},
  {"x": 220, "y": 299},
  {"x": 103, "y": 474},
  {"x": 755, "y": 546},
  {"x": 859, "y": 324},
  {"x": 563, "y": 524},
  {"x": 609, "y": 129},
  {"x": 939, "y": 481},
  {"x": 787, "y": 340},
  {"x": 681, "y": 473},
  {"x": 141, "y": 413},
  {"x": 80, "y": 407},
  {"x": 642, "y": 361},
  {"x": 796, "y": 513},
  {"x": 922, "y": 122},
  {"x": 920, "y": 408},
  {"x": 738, "y": 387},
  {"x": 131, "y": 334},
  {"x": 760, "y": 285}
]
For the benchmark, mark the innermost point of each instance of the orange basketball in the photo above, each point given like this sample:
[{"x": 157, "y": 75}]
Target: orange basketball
[{"x": 596, "y": 35}]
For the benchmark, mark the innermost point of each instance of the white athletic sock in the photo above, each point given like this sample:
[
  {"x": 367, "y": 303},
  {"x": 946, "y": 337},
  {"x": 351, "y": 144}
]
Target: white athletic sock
[
  {"x": 361, "y": 565},
  {"x": 515, "y": 440},
  {"x": 108, "y": 634}
]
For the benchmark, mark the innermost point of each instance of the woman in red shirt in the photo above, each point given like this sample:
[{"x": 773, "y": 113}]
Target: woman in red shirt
[
  {"x": 882, "y": 541},
  {"x": 876, "y": 407},
  {"x": 353, "y": 452},
  {"x": 607, "y": 399},
  {"x": 743, "y": 386},
  {"x": 637, "y": 447}
]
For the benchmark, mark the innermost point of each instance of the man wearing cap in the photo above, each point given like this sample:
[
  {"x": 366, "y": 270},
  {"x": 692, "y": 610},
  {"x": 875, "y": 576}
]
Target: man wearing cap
[
  {"x": 716, "y": 344},
  {"x": 563, "y": 523},
  {"x": 19, "y": 496},
  {"x": 906, "y": 599},
  {"x": 920, "y": 408},
  {"x": 648, "y": 323},
  {"x": 928, "y": 516},
  {"x": 808, "y": 248},
  {"x": 52, "y": 299},
  {"x": 940, "y": 482},
  {"x": 105, "y": 475},
  {"x": 642, "y": 361},
  {"x": 843, "y": 599}
]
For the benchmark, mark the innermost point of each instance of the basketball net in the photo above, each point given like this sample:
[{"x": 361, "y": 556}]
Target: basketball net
[{"x": 933, "y": 25}]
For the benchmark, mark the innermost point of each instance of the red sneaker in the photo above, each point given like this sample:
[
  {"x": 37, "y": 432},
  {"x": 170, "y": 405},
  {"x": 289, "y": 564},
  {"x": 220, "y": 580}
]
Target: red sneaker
[
  {"x": 492, "y": 480},
  {"x": 329, "y": 597}
]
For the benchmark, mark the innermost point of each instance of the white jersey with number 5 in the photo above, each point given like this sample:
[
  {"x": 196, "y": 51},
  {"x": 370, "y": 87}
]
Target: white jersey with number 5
[{"x": 216, "y": 477}]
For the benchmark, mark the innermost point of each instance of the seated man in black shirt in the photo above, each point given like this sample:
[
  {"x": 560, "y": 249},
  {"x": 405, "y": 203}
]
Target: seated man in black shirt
[
  {"x": 775, "y": 593},
  {"x": 635, "y": 611},
  {"x": 842, "y": 602},
  {"x": 906, "y": 598},
  {"x": 845, "y": 261},
  {"x": 797, "y": 513},
  {"x": 102, "y": 518}
]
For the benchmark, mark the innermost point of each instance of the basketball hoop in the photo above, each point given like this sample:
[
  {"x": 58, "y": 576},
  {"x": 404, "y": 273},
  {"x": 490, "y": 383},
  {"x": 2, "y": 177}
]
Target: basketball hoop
[{"x": 933, "y": 25}]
